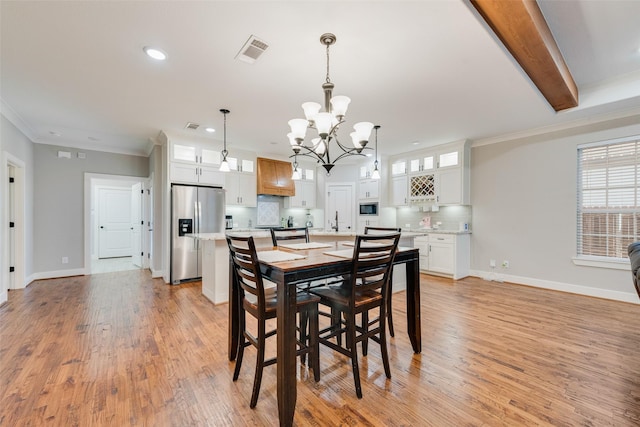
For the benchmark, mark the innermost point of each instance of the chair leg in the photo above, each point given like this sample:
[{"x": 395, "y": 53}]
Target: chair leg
[
  {"x": 335, "y": 323},
  {"x": 389, "y": 311},
  {"x": 383, "y": 344},
  {"x": 241, "y": 346},
  {"x": 259, "y": 365},
  {"x": 365, "y": 328},
  {"x": 351, "y": 342},
  {"x": 304, "y": 336}
]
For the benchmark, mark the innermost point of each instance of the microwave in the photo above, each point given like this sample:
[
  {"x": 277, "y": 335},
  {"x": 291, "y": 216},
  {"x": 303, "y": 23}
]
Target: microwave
[{"x": 368, "y": 209}]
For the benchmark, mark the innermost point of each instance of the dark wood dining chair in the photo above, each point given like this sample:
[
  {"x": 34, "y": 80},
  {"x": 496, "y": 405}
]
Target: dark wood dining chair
[
  {"x": 297, "y": 233},
  {"x": 385, "y": 230},
  {"x": 258, "y": 297},
  {"x": 366, "y": 289}
]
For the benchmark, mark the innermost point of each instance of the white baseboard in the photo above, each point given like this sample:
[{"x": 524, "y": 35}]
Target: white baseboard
[
  {"x": 4, "y": 297},
  {"x": 155, "y": 273},
  {"x": 57, "y": 273},
  {"x": 558, "y": 286}
]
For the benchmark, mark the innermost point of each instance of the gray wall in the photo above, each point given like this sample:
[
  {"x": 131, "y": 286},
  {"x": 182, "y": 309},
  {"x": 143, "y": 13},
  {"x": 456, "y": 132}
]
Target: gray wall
[
  {"x": 523, "y": 194},
  {"x": 59, "y": 201}
]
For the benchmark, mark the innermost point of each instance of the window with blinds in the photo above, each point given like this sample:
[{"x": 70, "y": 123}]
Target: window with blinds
[{"x": 608, "y": 198}]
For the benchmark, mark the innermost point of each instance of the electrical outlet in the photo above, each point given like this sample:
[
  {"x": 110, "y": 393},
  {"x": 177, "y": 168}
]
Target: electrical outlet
[
  {"x": 505, "y": 264},
  {"x": 492, "y": 263},
  {"x": 65, "y": 260}
]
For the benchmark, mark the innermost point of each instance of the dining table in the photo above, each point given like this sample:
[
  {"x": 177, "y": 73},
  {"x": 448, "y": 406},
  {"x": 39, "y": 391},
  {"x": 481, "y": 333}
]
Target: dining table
[{"x": 318, "y": 262}]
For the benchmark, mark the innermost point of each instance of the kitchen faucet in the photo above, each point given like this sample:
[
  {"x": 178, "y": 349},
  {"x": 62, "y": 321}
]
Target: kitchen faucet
[{"x": 336, "y": 226}]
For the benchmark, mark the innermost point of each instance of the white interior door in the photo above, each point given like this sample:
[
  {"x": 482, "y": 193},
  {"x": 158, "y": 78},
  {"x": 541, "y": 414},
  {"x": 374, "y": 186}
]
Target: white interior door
[
  {"x": 136, "y": 224},
  {"x": 340, "y": 201},
  {"x": 114, "y": 222}
]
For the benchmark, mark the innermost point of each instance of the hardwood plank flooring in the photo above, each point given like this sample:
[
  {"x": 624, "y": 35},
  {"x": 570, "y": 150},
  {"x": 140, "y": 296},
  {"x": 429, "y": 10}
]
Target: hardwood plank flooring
[{"x": 122, "y": 349}]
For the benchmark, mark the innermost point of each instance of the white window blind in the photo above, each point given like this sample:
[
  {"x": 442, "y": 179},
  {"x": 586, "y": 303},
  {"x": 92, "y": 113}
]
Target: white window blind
[{"x": 608, "y": 198}]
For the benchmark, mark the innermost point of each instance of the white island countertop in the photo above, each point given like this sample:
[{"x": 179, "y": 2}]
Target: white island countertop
[{"x": 265, "y": 234}]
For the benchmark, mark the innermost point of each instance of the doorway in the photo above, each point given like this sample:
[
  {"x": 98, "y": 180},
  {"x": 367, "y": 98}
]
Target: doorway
[
  {"x": 340, "y": 207},
  {"x": 13, "y": 225},
  {"x": 115, "y": 239}
]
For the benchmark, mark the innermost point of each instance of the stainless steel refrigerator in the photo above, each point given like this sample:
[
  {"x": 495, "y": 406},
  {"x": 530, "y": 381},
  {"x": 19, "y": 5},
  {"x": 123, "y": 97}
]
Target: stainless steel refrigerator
[{"x": 194, "y": 209}]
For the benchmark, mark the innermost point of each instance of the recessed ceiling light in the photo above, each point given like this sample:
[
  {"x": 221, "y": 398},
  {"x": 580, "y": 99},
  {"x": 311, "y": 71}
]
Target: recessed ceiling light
[
  {"x": 93, "y": 138},
  {"x": 415, "y": 143},
  {"x": 155, "y": 53},
  {"x": 210, "y": 130},
  {"x": 368, "y": 154},
  {"x": 54, "y": 133},
  {"x": 273, "y": 143}
]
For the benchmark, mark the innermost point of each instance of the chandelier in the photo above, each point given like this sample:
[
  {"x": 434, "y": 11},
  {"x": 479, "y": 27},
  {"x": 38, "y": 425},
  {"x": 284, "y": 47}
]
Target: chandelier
[{"x": 327, "y": 123}]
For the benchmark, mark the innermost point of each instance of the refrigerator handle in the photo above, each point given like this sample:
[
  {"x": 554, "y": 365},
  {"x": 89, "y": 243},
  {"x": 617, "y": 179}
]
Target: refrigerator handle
[{"x": 196, "y": 224}]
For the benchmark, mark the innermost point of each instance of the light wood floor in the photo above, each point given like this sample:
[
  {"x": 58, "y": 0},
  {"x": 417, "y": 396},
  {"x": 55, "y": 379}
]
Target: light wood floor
[{"x": 122, "y": 349}]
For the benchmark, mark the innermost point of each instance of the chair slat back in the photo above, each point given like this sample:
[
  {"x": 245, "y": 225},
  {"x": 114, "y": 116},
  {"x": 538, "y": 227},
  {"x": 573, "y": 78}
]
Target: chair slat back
[
  {"x": 381, "y": 230},
  {"x": 373, "y": 256},
  {"x": 297, "y": 233},
  {"x": 248, "y": 277}
]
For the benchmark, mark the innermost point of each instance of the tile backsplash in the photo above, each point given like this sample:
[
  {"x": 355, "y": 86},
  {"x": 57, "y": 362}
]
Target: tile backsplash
[{"x": 450, "y": 217}]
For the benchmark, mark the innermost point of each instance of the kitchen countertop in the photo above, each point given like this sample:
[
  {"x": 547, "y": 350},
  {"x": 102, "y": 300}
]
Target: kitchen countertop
[{"x": 263, "y": 234}]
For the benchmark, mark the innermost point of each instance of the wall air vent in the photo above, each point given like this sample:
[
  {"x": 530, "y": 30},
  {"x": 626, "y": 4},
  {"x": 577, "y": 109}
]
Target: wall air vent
[
  {"x": 252, "y": 49},
  {"x": 193, "y": 126}
]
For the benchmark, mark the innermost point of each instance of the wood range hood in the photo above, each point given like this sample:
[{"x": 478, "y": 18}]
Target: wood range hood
[{"x": 274, "y": 177}]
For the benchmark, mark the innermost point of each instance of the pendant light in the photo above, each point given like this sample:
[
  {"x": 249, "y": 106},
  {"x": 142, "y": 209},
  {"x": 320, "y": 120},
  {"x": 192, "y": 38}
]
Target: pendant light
[
  {"x": 376, "y": 173},
  {"x": 296, "y": 172},
  {"x": 224, "y": 166}
]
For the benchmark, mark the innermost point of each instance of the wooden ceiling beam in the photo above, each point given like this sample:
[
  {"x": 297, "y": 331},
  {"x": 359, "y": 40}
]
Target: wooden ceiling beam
[{"x": 521, "y": 27}]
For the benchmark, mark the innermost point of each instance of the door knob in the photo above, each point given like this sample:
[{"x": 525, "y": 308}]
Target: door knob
[{"x": 102, "y": 226}]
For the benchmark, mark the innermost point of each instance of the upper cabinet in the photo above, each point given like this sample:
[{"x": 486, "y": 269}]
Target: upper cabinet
[
  {"x": 305, "y": 196},
  {"x": 241, "y": 189},
  {"x": 368, "y": 189},
  {"x": 439, "y": 174},
  {"x": 274, "y": 177},
  {"x": 195, "y": 164}
]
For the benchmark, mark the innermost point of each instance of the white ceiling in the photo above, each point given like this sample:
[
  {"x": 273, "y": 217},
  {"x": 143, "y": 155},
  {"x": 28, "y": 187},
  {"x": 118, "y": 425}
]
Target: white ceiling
[{"x": 428, "y": 72}]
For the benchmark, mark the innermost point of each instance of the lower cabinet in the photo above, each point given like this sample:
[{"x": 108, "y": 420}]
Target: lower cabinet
[
  {"x": 444, "y": 254},
  {"x": 367, "y": 222}
]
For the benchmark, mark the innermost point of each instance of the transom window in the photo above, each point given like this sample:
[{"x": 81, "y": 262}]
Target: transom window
[{"x": 608, "y": 197}]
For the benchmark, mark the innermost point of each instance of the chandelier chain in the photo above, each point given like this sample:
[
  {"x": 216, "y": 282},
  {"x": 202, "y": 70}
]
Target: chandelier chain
[{"x": 328, "y": 80}]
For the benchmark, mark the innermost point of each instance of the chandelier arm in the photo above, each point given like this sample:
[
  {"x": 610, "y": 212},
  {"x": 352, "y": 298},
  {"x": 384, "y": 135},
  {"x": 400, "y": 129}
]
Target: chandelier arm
[
  {"x": 310, "y": 153},
  {"x": 351, "y": 152}
]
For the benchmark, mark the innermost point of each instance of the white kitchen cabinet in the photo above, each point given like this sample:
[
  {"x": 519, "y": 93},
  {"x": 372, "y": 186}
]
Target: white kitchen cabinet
[
  {"x": 367, "y": 221},
  {"x": 422, "y": 243},
  {"x": 448, "y": 255},
  {"x": 439, "y": 174},
  {"x": 441, "y": 253},
  {"x": 194, "y": 174},
  {"x": 368, "y": 189},
  {"x": 422, "y": 163},
  {"x": 399, "y": 190},
  {"x": 195, "y": 164},
  {"x": 241, "y": 165},
  {"x": 241, "y": 189},
  {"x": 305, "y": 196},
  {"x": 398, "y": 167},
  {"x": 195, "y": 154}
]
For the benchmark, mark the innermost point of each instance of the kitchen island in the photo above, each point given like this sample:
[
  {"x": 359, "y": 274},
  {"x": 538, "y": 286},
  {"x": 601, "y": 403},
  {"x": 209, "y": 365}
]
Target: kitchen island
[{"x": 215, "y": 256}]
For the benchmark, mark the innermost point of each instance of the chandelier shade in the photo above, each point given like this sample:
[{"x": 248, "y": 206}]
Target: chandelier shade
[{"x": 327, "y": 123}]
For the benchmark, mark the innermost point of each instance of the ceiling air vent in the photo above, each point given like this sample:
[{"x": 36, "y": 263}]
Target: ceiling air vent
[
  {"x": 193, "y": 126},
  {"x": 252, "y": 49}
]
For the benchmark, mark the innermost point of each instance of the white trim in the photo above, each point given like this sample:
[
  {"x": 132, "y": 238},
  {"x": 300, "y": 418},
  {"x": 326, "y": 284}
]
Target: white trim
[
  {"x": 602, "y": 262},
  {"x": 630, "y": 297},
  {"x": 58, "y": 274},
  {"x": 4, "y": 297},
  {"x": 556, "y": 127},
  {"x": 20, "y": 217},
  {"x": 88, "y": 193},
  {"x": 16, "y": 120},
  {"x": 155, "y": 274}
]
